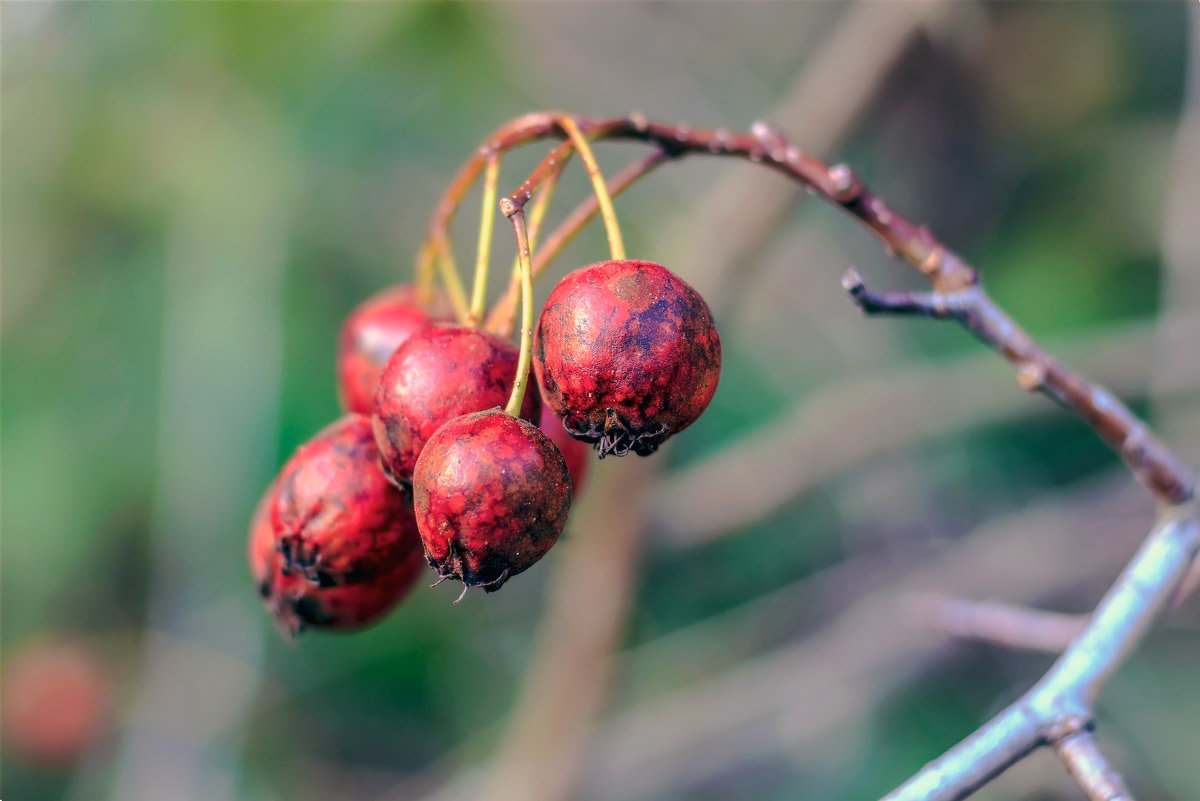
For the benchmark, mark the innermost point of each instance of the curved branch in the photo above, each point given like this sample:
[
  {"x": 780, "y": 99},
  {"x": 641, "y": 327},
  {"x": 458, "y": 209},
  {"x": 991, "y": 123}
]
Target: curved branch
[
  {"x": 1060, "y": 704},
  {"x": 1037, "y": 371},
  {"x": 956, "y": 291}
]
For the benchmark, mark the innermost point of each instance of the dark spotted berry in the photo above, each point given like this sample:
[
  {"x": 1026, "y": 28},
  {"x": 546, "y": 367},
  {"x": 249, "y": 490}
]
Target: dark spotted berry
[
  {"x": 295, "y": 603},
  {"x": 337, "y": 518},
  {"x": 371, "y": 334},
  {"x": 440, "y": 373},
  {"x": 492, "y": 494},
  {"x": 627, "y": 354},
  {"x": 333, "y": 543}
]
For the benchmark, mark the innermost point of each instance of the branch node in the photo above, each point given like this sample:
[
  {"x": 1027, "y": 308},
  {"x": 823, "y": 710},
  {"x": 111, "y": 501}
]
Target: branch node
[
  {"x": 844, "y": 186},
  {"x": 912, "y": 304},
  {"x": 1060, "y": 729},
  {"x": 1031, "y": 376},
  {"x": 852, "y": 282},
  {"x": 509, "y": 207},
  {"x": 720, "y": 141},
  {"x": 933, "y": 262},
  {"x": 773, "y": 143},
  {"x": 1136, "y": 445}
]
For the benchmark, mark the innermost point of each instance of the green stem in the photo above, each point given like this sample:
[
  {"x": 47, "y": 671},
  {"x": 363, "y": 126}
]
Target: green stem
[
  {"x": 517, "y": 216},
  {"x": 616, "y": 244},
  {"x": 452, "y": 281},
  {"x": 487, "y": 219}
]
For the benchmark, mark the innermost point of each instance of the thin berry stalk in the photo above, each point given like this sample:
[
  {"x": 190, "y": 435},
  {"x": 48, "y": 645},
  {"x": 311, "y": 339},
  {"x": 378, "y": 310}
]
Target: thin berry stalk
[
  {"x": 451, "y": 280},
  {"x": 537, "y": 215},
  {"x": 503, "y": 314},
  {"x": 612, "y": 229},
  {"x": 517, "y": 216},
  {"x": 487, "y": 220},
  {"x": 426, "y": 272}
]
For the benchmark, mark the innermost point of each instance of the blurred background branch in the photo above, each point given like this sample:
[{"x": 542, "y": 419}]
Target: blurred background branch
[
  {"x": 890, "y": 410},
  {"x": 1001, "y": 624}
]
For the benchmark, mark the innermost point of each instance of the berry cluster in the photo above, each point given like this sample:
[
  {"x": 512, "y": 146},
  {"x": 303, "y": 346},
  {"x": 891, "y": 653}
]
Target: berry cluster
[{"x": 444, "y": 458}]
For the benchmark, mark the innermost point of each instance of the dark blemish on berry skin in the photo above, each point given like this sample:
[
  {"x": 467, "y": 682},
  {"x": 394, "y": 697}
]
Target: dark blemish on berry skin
[
  {"x": 337, "y": 518},
  {"x": 333, "y": 545},
  {"x": 491, "y": 495},
  {"x": 440, "y": 373},
  {"x": 627, "y": 354}
]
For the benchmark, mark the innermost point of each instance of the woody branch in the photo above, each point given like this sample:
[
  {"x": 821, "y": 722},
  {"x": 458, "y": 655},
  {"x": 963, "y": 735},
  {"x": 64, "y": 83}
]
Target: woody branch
[{"x": 1057, "y": 711}]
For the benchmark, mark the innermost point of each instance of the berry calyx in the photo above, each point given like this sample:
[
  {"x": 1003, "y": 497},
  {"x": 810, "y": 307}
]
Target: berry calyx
[
  {"x": 333, "y": 544},
  {"x": 627, "y": 354},
  {"x": 336, "y": 517},
  {"x": 297, "y": 604},
  {"x": 491, "y": 493},
  {"x": 440, "y": 373},
  {"x": 371, "y": 334}
]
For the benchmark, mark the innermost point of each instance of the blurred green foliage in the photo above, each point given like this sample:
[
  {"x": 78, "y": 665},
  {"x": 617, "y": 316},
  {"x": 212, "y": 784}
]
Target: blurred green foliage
[{"x": 194, "y": 195}]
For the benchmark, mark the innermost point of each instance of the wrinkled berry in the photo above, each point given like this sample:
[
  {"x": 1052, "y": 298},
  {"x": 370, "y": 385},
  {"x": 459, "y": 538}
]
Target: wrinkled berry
[
  {"x": 627, "y": 354},
  {"x": 371, "y": 334},
  {"x": 440, "y": 373},
  {"x": 492, "y": 494},
  {"x": 337, "y": 518},
  {"x": 333, "y": 543},
  {"x": 295, "y": 603}
]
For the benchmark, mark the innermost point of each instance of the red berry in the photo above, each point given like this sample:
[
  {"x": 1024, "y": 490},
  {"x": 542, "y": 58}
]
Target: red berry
[
  {"x": 577, "y": 454},
  {"x": 56, "y": 701},
  {"x": 492, "y": 494},
  {"x": 440, "y": 373},
  {"x": 295, "y": 603},
  {"x": 371, "y": 334},
  {"x": 627, "y": 354},
  {"x": 333, "y": 543}
]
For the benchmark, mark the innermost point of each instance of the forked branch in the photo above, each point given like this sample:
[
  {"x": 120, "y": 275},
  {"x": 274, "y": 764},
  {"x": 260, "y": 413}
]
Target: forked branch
[
  {"x": 1037, "y": 371},
  {"x": 1057, "y": 711}
]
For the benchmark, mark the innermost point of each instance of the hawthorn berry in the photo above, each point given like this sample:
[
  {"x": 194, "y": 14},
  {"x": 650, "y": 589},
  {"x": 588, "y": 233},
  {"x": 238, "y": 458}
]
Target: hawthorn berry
[
  {"x": 333, "y": 543},
  {"x": 441, "y": 372},
  {"x": 491, "y": 494},
  {"x": 295, "y": 603},
  {"x": 336, "y": 517},
  {"x": 371, "y": 334},
  {"x": 627, "y": 354}
]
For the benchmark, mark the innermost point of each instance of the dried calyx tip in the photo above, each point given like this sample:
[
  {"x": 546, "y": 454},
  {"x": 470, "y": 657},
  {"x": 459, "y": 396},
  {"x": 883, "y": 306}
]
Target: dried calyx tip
[{"x": 852, "y": 281}]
